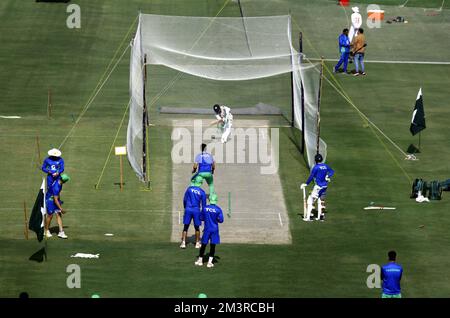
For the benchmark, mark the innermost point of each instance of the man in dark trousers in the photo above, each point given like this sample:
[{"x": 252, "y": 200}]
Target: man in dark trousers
[
  {"x": 344, "y": 50},
  {"x": 212, "y": 215},
  {"x": 194, "y": 202}
]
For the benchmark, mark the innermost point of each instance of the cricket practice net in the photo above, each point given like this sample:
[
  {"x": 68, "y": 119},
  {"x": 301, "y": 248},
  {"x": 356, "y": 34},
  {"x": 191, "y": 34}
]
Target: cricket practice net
[{"x": 220, "y": 49}]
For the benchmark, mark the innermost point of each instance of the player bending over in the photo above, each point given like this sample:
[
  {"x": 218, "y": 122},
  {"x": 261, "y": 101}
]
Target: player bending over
[
  {"x": 205, "y": 164},
  {"x": 194, "y": 201},
  {"x": 54, "y": 205},
  {"x": 224, "y": 119},
  {"x": 212, "y": 215},
  {"x": 321, "y": 173}
]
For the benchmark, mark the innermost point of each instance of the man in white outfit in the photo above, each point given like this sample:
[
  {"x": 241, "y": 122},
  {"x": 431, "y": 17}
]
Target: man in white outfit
[
  {"x": 356, "y": 23},
  {"x": 224, "y": 119}
]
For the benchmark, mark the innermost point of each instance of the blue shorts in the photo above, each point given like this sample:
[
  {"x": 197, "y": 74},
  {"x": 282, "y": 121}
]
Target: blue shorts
[
  {"x": 322, "y": 192},
  {"x": 192, "y": 214},
  {"x": 213, "y": 236},
  {"x": 319, "y": 192},
  {"x": 51, "y": 207}
]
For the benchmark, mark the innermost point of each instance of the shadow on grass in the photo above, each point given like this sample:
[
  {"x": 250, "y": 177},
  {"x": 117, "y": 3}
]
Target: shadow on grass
[
  {"x": 39, "y": 255},
  {"x": 55, "y": 229}
]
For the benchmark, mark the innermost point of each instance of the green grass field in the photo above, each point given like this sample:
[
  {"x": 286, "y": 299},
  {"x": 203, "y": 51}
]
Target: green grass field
[{"x": 324, "y": 260}]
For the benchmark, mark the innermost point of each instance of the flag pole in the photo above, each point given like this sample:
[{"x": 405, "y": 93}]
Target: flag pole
[
  {"x": 318, "y": 103},
  {"x": 25, "y": 217},
  {"x": 45, "y": 220},
  {"x": 420, "y": 132}
]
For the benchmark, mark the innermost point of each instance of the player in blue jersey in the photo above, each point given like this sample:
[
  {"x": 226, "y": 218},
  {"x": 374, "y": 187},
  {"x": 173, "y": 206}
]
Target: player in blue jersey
[
  {"x": 206, "y": 165},
  {"x": 321, "y": 173},
  {"x": 391, "y": 274},
  {"x": 194, "y": 201},
  {"x": 54, "y": 204},
  {"x": 211, "y": 216},
  {"x": 344, "y": 50},
  {"x": 53, "y": 165}
]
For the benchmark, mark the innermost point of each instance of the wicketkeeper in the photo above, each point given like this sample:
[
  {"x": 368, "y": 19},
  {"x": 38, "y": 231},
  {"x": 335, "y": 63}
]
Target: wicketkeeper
[{"x": 321, "y": 173}]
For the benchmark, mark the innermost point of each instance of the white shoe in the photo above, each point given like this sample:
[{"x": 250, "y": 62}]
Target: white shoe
[
  {"x": 199, "y": 262},
  {"x": 48, "y": 234},
  {"x": 209, "y": 265},
  {"x": 62, "y": 235},
  {"x": 198, "y": 245},
  {"x": 307, "y": 220},
  {"x": 183, "y": 244}
]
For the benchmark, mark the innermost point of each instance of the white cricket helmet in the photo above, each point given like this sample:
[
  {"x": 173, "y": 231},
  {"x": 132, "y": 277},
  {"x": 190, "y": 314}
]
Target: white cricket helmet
[
  {"x": 54, "y": 152},
  {"x": 355, "y": 9}
]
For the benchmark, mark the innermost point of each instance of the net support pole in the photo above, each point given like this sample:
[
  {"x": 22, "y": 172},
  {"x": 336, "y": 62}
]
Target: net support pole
[
  {"x": 26, "y": 219},
  {"x": 292, "y": 88},
  {"x": 49, "y": 103},
  {"x": 302, "y": 92},
  {"x": 318, "y": 104},
  {"x": 245, "y": 28},
  {"x": 144, "y": 128},
  {"x": 292, "y": 99},
  {"x": 38, "y": 144}
]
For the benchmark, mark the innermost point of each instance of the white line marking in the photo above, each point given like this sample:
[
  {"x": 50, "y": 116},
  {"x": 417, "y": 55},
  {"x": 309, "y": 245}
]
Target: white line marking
[
  {"x": 392, "y": 62},
  {"x": 10, "y": 117},
  {"x": 149, "y": 211},
  {"x": 279, "y": 216},
  {"x": 34, "y": 136}
]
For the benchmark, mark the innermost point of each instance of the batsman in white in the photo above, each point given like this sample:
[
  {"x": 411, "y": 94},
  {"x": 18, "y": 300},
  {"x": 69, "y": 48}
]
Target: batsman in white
[
  {"x": 321, "y": 173},
  {"x": 356, "y": 23},
  {"x": 224, "y": 119}
]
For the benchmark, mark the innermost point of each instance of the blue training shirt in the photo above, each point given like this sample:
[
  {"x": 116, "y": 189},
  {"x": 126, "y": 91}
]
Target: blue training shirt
[
  {"x": 53, "y": 189},
  {"x": 212, "y": 215},
  {"x": 50, "y": 165},
  {"x": 391, "y": 275},
  {"x": 319, "y": 173},
  {"x": 205, "y": 162},
  {"x": 344, "y": 44},
  {"x": 194, "y": 198}
]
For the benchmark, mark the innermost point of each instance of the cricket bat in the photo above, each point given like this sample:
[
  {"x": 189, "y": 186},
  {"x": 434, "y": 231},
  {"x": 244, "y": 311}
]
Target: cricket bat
[
  {"x": 378, "y": 208},
  {"x": 304, "y": 203}
]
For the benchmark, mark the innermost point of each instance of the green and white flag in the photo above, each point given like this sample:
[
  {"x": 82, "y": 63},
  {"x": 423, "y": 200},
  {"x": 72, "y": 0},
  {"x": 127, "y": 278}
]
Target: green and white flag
[
  {"x": 418, "y": 118},
  {"x": 37, "y": 217}
]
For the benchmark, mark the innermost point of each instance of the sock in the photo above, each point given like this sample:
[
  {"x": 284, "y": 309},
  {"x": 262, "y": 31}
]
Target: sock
[{"x": 210, "y": 260}]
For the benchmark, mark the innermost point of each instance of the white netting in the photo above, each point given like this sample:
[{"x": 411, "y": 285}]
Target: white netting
[
  {"x": 310, "y": 77},
  {"x": 135, "y": 127},
  {"x": 219, "y": 49}
]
